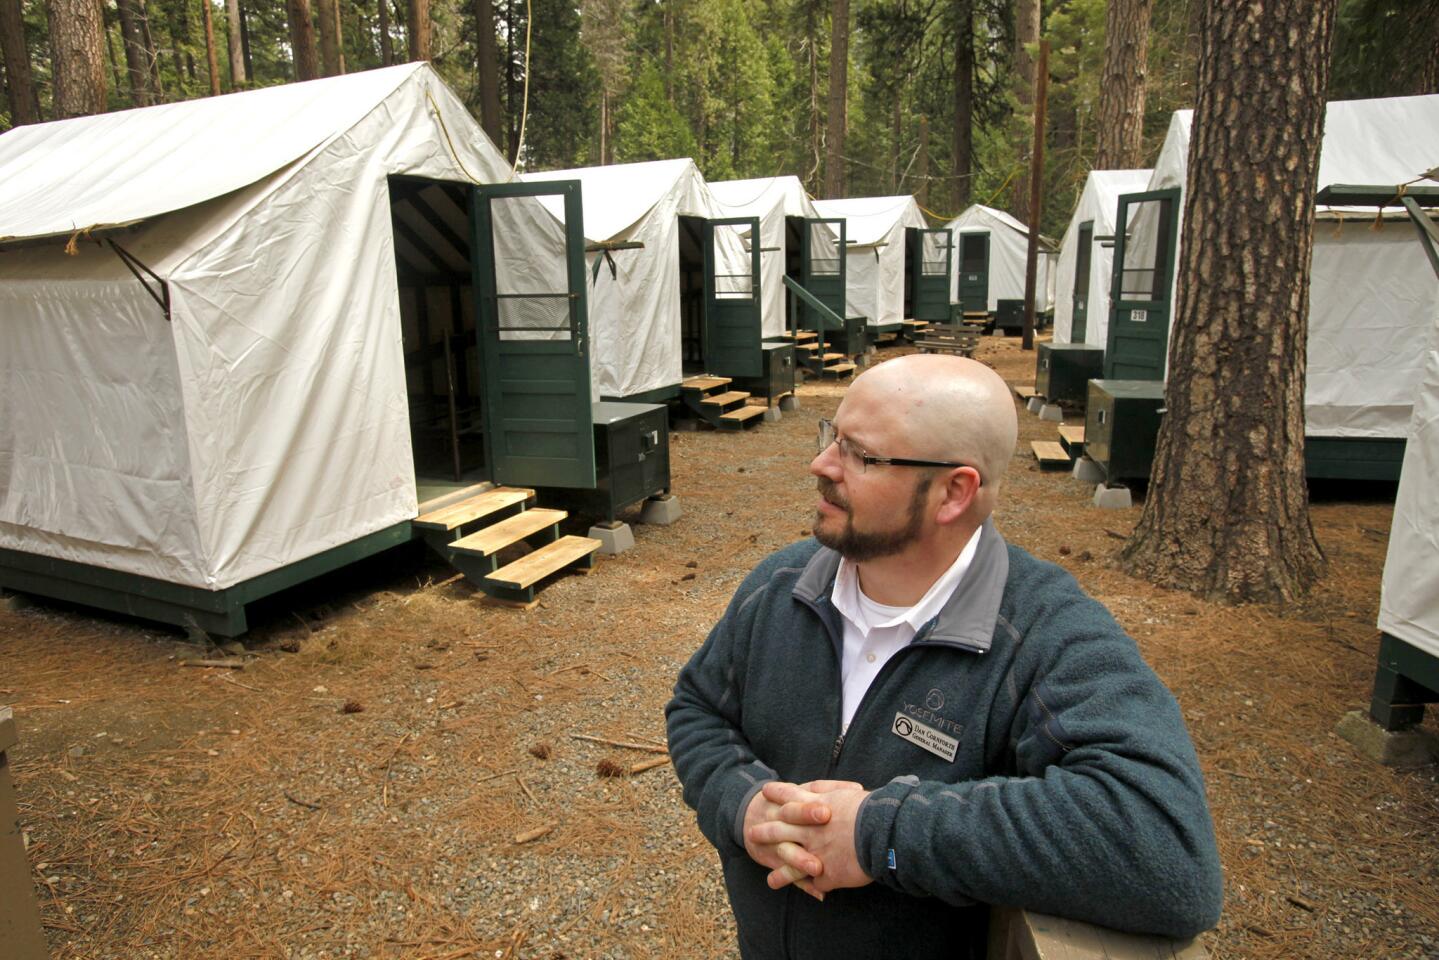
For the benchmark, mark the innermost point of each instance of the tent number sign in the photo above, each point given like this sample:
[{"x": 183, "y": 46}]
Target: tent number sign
[{"x": 1139, "y": 316}]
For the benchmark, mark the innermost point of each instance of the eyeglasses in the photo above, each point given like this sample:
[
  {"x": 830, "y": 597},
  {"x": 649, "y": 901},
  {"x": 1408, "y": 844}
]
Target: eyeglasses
[{"x": 856, "y": 459}]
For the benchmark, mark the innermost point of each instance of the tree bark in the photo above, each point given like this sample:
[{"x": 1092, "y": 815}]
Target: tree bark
[
  {"x": 77, "y": 46},
  {"x": 1227, "y": 513},
  {"x": 963, "y": 132},
  {"x": 329, "y": 16},
  {"x": 921, "y": 165},
  {"x": 1428, "y": 79},
  {"x": 1121, "y": 85},
  {"x": 234, "y": 38},
  {"x": 837, "y": 114},
  {"x": 419, "y": 32},
  {"x": 387, "y": 50},
  {"x": 487, "y": 59},
  {"x": 212, "y": 56},
  {"x": 136, "y": 68},
  {"x": 816, "y": 141},
  {"x": 152, "y": 55},
  {"x": 302, "y": 39},
  {"x": 1026, "y": 32},
  {"x": 24, "y": 104}
]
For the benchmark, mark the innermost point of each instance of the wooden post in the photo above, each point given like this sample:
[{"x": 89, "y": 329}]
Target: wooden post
[
  {"x": 1036, "y": 193},
  {"x": 19, "y": 916},
  {"x": 211, "y": 56}
]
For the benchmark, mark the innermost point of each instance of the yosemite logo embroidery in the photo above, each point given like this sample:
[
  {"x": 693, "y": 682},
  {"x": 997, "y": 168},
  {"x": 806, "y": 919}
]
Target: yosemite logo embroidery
[{"x": 935, "y": 700}]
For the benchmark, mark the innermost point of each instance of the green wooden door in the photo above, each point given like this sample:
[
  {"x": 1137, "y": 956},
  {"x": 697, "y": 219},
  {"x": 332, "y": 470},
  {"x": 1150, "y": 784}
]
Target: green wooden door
[
  {"x": 973, "y": 272},
  {"x": 533, "y": 333},
  {"x": 1139, "y": 296},
  {"x": 931, "y": 261},
  {"x": 1080, "y": 324},
  {"x": 823, "y": 269},
  {"x": 733, "y": 339}
]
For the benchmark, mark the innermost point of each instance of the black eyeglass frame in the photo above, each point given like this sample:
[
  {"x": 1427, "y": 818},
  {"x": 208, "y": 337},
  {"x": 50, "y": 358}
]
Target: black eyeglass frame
[{"x": 866, "y": 459}]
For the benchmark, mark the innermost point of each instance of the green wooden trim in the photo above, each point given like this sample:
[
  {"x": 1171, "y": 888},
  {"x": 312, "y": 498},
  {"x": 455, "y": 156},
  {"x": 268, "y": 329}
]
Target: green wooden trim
[
  {"x": 1409, "y": 661},
  {"x": 1375, "y": 195},
  {"x": 221, "y": 612},
  {"x": 832, "y": 320},
  {"x": 657, "y": 395},
  {"x": 1353, "y": 458},
  {"x": 886, "y": 328}
]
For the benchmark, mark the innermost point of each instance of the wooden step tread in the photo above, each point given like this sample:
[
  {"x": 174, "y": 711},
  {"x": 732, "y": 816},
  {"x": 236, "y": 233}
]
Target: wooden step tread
[
  {"x": 839, "y": 368},
  {"x": 827, "y": 357},
  {"x": 724, "y": 399},
  {"x": 1049, "y": 451},
  {"x": 704, "y": 383},
  {"x": 497, "y": 536},
  {"x": 806, "y": 346},
  {"x": 744, "y": 413},
  {"x": 1024, "y": 390},
  {"x": 806, "y": 334},
  {"x": 1072, "y": 433},
  {"x": 534, "y": 567},
  {"x": 976, "y": 313},
  {"x": 915, "y": 323},
  {"x": 473, "y": 508}
]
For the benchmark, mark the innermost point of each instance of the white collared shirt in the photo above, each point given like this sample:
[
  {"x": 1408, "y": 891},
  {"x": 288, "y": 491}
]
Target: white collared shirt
[{"x": 874, "y": 632}]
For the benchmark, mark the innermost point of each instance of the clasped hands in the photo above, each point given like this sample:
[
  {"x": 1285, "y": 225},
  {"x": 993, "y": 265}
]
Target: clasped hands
[{"x": 804, "y": 833}]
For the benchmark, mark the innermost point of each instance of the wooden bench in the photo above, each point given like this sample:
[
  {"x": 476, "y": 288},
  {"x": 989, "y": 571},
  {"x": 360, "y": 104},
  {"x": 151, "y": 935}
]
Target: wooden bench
[
  {"x": 1025, "y": 935},
  {"x": 955, "y": 338},
  {"x": 1050, "y": 454}
]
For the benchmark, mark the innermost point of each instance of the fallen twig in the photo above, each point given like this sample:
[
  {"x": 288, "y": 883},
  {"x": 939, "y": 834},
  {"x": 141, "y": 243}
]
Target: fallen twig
[
  {"x": 650, "y": 764},
  {"x": 621, "y": 743},
  {"x": 304, "y": 803},
  {"x": 385, "y": 791},
  {"x": 533, "y": 834},
  {"x": 496, "y": 776},
  {"x": 228, "y": 664},
  {"x": 525, "y": 788}
]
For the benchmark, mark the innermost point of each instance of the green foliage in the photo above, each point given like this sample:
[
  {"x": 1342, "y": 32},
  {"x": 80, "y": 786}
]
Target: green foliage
[
  {"x": 1380, "y": 47},
  {"x": 648, "y": 126},
  {"x": 563, "y": 86}
]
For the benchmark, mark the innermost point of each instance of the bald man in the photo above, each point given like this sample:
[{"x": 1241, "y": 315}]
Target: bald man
[{"x": 905, "y": 719}]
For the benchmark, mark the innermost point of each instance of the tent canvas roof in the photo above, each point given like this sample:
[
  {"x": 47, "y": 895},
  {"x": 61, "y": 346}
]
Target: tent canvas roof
[
  {"x": 980, "y": 216},
  {"x": 618, "y": 196},
  {"x": 869, "y": 220},
  {"x": 1099, "y": 202},
  {"x": 115, "y": 169},
  {"x": 756, "y": 197}
]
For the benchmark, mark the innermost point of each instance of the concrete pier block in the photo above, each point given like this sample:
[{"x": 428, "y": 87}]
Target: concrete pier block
[
  {"x": 613, "y": 537},
  {"x": 1413, "y": 747},
  {"x": 1052, "y": 413},
  {"x": 772, "y": 415},
  {"x": 1112, "y": 498},
  {"x": 789, "y": 403},
  {"x": 1087, "y": 470},
  {"x": 661, "y": 511},
  {"x": 1034, "y": 404}
]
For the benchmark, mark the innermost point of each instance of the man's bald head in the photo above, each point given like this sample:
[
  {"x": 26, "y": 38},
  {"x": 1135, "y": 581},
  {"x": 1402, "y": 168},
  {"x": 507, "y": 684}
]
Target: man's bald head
[{"x": 943, "y": 408}]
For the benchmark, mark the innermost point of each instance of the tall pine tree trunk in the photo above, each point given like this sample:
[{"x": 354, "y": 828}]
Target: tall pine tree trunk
[
  {"x": 234, "y": 43},
  {"x": 487, "y": 60},
  {"x": 419, "y": 32},
  {"x": 387, "y": 50},
  {"x": 1428, "y": 78},
  {"x": 963, "y": 131},
  {"x": 837, "y": 113},
  {"x": 136, "y": 67},
  {"x": 1026, "y": 33},
  {"x": 816, "y": 142},
  {"x": 1121, "y": 85},
  {"x": 1227, "y": 513},
  {"x": 921, "y": 170},
  {"x": 212, "y": 56},
  {"x": 302, "y": 39},
  {"x": 24, "y": 104},
  {"x": 329, "y": 16},
  {"x": 77, "y": 46}
]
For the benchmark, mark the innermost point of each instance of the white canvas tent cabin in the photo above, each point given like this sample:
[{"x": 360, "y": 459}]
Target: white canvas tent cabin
[
  {"x": 1086, "y": 257},
  {"x": 224, "y": 386},
  {"x": 653, "y": 279},
  {"x": 1371, "y": 290},
  {"x": 991, "y": 253},
  {"x": 898, "y": 267}
]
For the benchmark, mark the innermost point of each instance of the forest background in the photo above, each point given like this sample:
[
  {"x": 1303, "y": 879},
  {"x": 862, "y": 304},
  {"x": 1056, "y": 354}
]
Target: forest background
[{"x": 936, "y": 94}]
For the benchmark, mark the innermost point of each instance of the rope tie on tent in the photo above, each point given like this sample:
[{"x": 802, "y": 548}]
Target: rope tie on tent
[
  {"x": 605, "y": 258},
  {"x": 72, "y": 247},
  {"x": 938, "y": 216},
  {"x": 446, "y": 131},
  {"x": 996, "y": 193},
  {"x": 525, "y": 101}
]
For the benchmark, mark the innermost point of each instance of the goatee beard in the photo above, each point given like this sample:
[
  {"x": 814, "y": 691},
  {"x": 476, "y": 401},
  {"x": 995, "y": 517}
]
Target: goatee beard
[{"x": 858, "y": 546}]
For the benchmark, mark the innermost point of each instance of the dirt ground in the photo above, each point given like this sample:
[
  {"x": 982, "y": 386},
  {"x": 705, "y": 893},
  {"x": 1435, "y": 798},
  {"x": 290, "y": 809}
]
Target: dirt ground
[{"x": 359, "y": 789}]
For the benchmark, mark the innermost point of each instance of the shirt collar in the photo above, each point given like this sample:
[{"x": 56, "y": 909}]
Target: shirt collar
[{"x": 846, "y": 598}]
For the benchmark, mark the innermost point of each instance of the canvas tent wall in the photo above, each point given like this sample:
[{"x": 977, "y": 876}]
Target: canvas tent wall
[
  {"x": 772, "y": 200},
  {"x": 1008, "y": 255},
  {"x": 634, "y": 294},
  {"x": 1371, "y": 291},
  {"x": 258, "y": 417},
  {"x": 1097, "y": 204},
  {"x": 875, "y": 260}
]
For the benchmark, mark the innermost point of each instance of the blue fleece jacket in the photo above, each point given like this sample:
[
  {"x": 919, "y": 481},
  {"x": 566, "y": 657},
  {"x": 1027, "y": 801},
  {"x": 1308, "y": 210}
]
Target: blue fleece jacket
[{"x": 1020, "y": 751}]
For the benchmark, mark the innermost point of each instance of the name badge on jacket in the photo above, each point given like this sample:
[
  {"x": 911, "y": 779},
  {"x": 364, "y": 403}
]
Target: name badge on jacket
[{"x": 924, "y": 737}]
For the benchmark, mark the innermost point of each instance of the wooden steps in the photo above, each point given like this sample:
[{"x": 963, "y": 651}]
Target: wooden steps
[
  {"x": 1024, "y": 391},
  {"x": 806, "y": 345},
  {"x": 827, "y": 357},
  {"x": 800, "y": 336},
  {"x": 1050, "y": 454},
  {"x": 1071, "y": 437},
  {"x": 441, "y": 527},
  {"x": 497, "y": 536},
  {"x": 742, "y": 414},
  {"x": 839, "y": 369},
  {"x": 710, "y": 399},
  {"x": 515, "y": 584}
]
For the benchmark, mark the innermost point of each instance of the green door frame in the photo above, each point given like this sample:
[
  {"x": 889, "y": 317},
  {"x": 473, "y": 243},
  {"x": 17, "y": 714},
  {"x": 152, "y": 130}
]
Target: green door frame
[
  {"x": 1138, "y": 337},
  {"x": 929, "y": 287},
  {"x": 973, "y": 288},
  {"x": 826, "y": 285},
  {"x": 1083, "y": 265},
  {"x": 733, "y": 341},
  {"x": 538, "y": 419}
]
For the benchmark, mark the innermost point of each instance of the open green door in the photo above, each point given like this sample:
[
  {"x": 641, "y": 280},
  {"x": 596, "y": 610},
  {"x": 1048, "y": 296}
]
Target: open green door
[
  {"x": 931, "y": 260},
  {"x": 823, "y": 269},
  {"x": 1144, "y": 241},
  {"x": 533, "y": 332},
  {"x": 733, "y": 340},
  {"x": 973, "y": 272},
  {"x": 1083, "y": 252}
]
